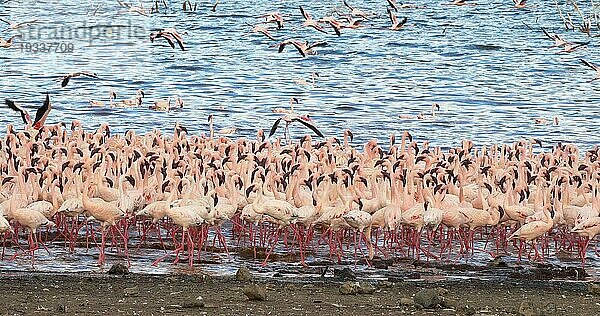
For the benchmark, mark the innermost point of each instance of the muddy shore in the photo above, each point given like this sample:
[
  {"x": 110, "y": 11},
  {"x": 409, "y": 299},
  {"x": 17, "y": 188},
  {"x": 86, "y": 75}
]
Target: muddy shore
[{"x": 199, "y": 294}]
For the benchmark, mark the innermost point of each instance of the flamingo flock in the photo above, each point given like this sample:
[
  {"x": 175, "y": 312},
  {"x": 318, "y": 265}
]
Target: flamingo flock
[
  {"x": 65, "y": 185},
  {"x": 80, "y": 188}
]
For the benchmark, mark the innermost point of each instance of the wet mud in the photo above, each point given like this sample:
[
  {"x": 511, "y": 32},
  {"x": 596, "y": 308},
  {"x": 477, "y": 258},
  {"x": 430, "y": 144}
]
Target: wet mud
[{"x": 338, "y": 291}]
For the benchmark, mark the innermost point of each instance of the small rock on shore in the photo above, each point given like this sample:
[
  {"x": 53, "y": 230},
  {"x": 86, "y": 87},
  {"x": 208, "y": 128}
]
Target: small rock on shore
[
  {"x": 243, "y": 274},
  {"x": 255, "y": 292},
  {"x": 118, "y": 269}
]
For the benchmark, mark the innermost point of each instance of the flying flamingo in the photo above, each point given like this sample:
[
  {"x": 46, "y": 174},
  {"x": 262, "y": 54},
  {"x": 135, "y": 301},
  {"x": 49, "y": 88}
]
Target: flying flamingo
[
  {"x": 310, "y": 22},
  {"x": 9, "y": 42},
  {"x": 40, "y": 115},
  {"x": 520, "y": 4},
  {"x": 303, "y": 48},
  {"x": 290, "y": 118},
  {"x": 396, "y": 25},
  {"x": 15, "y": 25},
  {"x": 67, "y": 78},
  {"x": 170, "y": 35},
  {"x": 593, "y": 67}
]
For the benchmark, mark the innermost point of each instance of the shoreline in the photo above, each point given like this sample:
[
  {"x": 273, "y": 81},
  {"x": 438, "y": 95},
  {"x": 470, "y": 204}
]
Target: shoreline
[{"x": 130, "y": 294}]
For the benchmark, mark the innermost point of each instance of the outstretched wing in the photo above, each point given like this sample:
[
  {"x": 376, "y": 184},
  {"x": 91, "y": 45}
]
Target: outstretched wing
[
  {"x": 550, "y": 36},
  {"x": 335, "y": 28},
  {"x": 587, "y": 63},
  {"x": 274, "y": 127},
  {"x": 319, "y": 28},
  {"x": 42, "y": 113},
  {"x": 13, "y": 106},
  {"x": 304, "y": 14},
  {"x": 177, "y": 38},
  {"x": 392, "y": 17},
  {"x": 65, "y": 81},
  {"x": 579, "y": 45},
  {"x": 27, "y": 23},
  {"x": 281, "y": 46},
  {"x": 309, "y": 125},
  {"x": 89, "y": 74},
  {"x": 180, "y": 43},
  {"x": 403, "y": 22},
  {"x": 347, "y": 5},
  {"x": 299, "y": 48},
  {"x": 169, "y": 39},
  {"x": 392, "y": 3},
  {"x": 267, "y": 34},
  {"x": 318, "y": 44}
]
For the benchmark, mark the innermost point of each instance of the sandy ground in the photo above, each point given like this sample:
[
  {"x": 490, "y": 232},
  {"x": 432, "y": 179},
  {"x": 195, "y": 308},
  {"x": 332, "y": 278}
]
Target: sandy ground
[{"x": 135, "y": 294}]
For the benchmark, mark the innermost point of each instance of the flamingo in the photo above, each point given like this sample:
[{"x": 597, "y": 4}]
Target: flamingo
[
  {"x": 170, "y": 35},
  {"x": 587, "y": 228},
  {"x": 185, "y": 217},
  {"x": 354, "y": 11},
  {"x": 533, "y": 230},
  {"x": 360, "y": 221},
  {"x": 310, "y": 22},
  {"x": 111, "y": 96},
  {"x": 65, "y": 79},
  {"x": 9, "y": 42},
  {"x": 303, "y": 48},
  {"x": 40, "y": 115},
  {"x": 396, "y": 25},
  {"x": 15, "y": 25},
  {"x": 274, "y": 17},
  {"x": 290, "y": 118},
  {"x": 260, "y": 29},
  {"x": 108, "y": 214},
  {"x": 593, "y": 67},
  {"x": 32, "y": 220},
  {"x": 520, "y": 4}
]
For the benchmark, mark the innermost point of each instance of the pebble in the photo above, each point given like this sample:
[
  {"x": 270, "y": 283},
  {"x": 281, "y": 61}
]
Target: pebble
[
  {"x": 255, "y": 292},
  {"x": 407, "y": 301},
  {"x": 427, "y": 298},
  {"x": 197, "y": 302},
  {"x": 353, "y": 288},
  {"x": 349, "y": 288},
  {"x": 365, "y": 288},
  {"x": 345, "y": 274},
  {"x": 118, "y": 269},
  {"x": 243, "y": 274}
]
